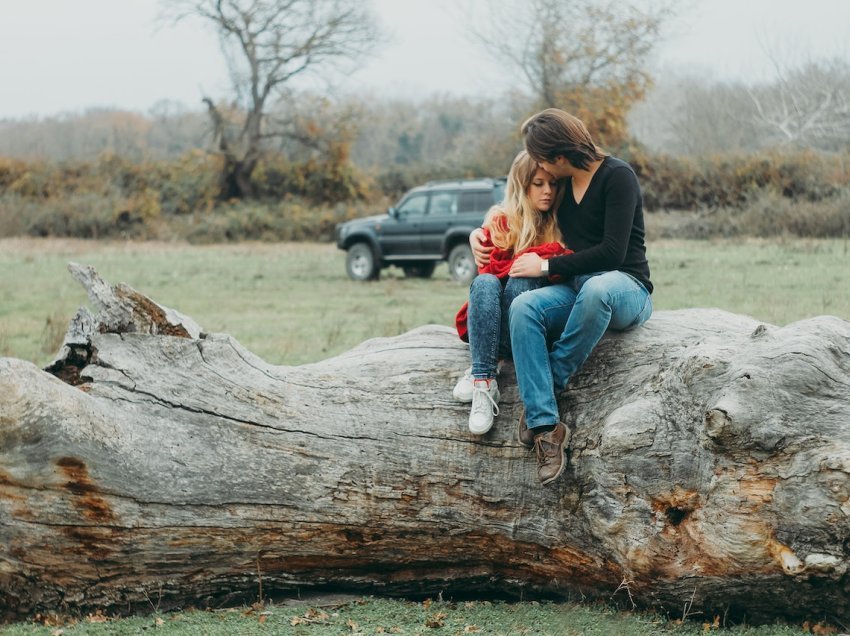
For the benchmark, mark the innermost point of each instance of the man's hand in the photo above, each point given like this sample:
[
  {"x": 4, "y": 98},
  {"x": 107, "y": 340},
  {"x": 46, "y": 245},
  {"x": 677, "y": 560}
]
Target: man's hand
[
  {"x": 480, "y": 253},
  {"x": 527, "y": 266}
]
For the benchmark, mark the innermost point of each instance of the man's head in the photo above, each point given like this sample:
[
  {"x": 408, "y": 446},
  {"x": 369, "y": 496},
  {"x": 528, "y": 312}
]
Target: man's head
[{"x": 553, "y": 133}]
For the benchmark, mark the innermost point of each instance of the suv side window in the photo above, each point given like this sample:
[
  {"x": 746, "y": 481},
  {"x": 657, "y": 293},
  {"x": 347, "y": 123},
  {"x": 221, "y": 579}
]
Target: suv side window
[
  {"x": 415, "y": 205},
  {"x": 466, "y": 202},
  {"x": 443, "y": 204},
  {"x": 478, "y": 200}
]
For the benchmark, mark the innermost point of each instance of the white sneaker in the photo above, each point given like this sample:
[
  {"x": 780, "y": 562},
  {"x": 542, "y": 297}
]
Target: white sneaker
[
  {"x": 485, "y": 398},
  {"x": 463, "y": 389}
]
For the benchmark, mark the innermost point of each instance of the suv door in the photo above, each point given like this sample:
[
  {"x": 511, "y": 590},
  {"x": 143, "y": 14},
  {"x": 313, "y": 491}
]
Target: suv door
[
  {"x": 399, "y": 236},
  {"x": 442, "y": 214}
]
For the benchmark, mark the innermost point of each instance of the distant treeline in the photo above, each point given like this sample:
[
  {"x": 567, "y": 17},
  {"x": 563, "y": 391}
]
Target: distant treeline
[
  {"x": 722, "y": 150},
  {"x": 805, "y": 107}
]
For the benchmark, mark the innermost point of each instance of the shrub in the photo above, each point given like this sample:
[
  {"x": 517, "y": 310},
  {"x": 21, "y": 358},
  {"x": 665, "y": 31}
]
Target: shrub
[
  {"x": 290, "y": 220},
  {"x": 187, "y": 185},
  {"x": 12, "y": 214},
  {"x": 83, "y": 216},
  {"x": 327, "y": 181},
  {"x": 769, "y": 214},
  {"x": 732, "y": 181}
]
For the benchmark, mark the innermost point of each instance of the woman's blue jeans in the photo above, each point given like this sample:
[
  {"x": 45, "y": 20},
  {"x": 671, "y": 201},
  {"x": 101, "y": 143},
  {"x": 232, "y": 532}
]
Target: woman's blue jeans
[
  {"x": 487, "y": 320},
  {"x": 571, "y": 317}
]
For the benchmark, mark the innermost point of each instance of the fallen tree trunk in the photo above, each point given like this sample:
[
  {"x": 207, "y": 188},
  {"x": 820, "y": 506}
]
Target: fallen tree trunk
[{"x": 709, "y": 470}]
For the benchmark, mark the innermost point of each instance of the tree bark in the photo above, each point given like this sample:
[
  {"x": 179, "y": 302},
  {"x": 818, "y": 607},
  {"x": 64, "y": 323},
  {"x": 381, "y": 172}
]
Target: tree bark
[{"x": 709, "y": 470}]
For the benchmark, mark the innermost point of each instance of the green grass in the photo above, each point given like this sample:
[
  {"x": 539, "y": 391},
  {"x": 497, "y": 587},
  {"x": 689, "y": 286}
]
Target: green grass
[
  {"x": 289, "y": 303},
  {"x": 385, "y": 616},
  {"x": 778, "y": 282},
  {"x": 292, "y": 303}
]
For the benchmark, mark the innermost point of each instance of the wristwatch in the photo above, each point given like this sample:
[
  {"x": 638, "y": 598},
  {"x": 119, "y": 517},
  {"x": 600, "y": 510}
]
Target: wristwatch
[{"x": 544, "y": 267}]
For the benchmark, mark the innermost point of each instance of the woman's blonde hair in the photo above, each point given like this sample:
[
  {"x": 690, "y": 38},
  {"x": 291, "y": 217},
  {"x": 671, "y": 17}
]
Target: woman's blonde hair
[{"x": 526, "y": 226}]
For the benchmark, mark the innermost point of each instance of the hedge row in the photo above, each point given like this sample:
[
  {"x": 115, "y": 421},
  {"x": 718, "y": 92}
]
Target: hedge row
[
  {"x": 732, "y": 181},
  {"x": 93, "y": 216},
  {"x": 803, "y": 193},
  {"x": 766, "y": 215}
]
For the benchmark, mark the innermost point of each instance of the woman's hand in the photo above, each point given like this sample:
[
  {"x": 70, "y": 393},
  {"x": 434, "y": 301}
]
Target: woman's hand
[
  {"x": 480, "y": 253},
  {"x": 526, "y": 266}
]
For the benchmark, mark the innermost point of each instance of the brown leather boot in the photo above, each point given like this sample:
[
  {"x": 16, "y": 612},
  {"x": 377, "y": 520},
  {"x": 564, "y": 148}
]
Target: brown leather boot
[
  {"x": 550, "y": 448},
  {"x": 524, "y": 435}
]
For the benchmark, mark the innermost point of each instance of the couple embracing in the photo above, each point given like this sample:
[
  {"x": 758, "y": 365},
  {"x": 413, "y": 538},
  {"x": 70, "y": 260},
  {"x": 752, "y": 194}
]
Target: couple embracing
[{"x": 561, "y": 261}]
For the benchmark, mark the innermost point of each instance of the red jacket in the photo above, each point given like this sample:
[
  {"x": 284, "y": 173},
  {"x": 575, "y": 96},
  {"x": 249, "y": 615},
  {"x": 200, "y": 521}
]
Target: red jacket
[{"x": 499, "y": 265}]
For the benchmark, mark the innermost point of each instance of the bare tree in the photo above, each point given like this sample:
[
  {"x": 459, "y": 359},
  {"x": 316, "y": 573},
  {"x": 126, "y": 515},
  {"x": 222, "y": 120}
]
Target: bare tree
[
  {"x": 592, "y": 54},
  {"x": 692, "y": 115},
  {"x": 267, "y": 44},
  {"x": 806, "y": 106}
]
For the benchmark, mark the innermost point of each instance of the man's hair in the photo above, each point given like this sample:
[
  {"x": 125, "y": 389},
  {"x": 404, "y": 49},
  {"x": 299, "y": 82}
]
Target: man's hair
[{"x": 553, "y": 132}]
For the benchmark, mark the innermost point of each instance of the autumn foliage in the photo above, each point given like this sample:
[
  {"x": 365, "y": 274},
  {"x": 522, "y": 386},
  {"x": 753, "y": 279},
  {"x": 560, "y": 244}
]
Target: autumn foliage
[{"x": 802, "y": 193}]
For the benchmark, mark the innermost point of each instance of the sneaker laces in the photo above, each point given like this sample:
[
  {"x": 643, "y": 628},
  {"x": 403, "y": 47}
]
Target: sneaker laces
[{"x": 479, "y": 405}]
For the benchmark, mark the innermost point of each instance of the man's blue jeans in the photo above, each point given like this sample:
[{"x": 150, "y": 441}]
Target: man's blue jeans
[
  {"x": 572, "y": 317},
  {"x": 487, "y": 320}
]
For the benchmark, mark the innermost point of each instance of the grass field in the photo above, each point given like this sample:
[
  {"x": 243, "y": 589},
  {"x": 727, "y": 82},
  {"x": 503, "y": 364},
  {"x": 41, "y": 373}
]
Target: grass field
[
  {"x": 292, "y": 304},
  {"x": 383, "y": 616}
]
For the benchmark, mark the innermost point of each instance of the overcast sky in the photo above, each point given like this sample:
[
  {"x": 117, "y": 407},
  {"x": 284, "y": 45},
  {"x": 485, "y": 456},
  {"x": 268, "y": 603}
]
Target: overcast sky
[{"x": 68, "y": 55}]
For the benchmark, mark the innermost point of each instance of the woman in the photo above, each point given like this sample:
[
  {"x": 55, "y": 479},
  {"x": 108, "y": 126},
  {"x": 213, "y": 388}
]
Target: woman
[{"x": 523, "y": 223}]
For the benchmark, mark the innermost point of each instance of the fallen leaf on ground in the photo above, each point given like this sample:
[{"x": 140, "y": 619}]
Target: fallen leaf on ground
[
  {"x": 436, "y": 620},
  {"x": 97, "y": 617},
  {"x": 316, "y": 615}
]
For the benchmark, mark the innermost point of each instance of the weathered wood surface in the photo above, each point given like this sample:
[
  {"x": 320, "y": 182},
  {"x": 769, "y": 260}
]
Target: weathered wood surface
[{"x": 710, "y": 464}]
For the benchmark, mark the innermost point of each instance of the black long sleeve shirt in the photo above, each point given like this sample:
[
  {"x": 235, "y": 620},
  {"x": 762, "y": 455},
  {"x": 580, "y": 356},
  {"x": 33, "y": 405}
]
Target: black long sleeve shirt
[{"x": 606, "y": 230}]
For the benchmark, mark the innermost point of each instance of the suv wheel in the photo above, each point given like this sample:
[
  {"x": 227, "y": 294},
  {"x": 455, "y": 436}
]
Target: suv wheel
[
  {"x": 462, "y": 265},
  {"x": 360, "y": 263},
  {"x": 420, "y": 269}
]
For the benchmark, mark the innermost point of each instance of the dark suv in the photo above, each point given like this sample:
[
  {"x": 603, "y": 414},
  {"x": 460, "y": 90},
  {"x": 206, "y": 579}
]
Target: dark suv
[{"x": 430, "y": 224}]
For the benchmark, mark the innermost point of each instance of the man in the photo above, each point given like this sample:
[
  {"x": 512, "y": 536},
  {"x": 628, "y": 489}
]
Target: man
[{"x": 605, "y": 281}]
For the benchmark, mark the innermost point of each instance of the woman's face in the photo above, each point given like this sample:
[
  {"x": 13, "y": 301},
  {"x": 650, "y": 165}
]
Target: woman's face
[{"x": 541, "y": 190}]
